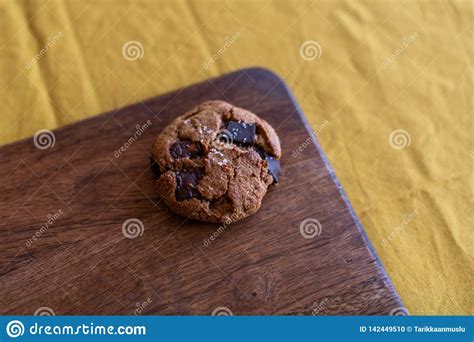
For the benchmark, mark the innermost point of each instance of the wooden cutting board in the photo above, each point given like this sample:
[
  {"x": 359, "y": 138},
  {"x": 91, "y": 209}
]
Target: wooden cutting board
[{"x": 67, "y": 215}]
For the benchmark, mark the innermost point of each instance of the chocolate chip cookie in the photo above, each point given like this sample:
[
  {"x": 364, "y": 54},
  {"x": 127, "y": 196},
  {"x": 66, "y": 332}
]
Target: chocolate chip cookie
[{"x": 215, "y": 162}]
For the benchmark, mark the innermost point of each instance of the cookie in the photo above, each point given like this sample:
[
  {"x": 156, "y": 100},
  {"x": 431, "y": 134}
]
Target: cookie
[{"x": 215, "y": 162}]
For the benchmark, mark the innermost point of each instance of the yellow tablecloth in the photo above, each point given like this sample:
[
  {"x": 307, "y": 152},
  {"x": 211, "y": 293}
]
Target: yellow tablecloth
[{"x": 387, "y": 85}]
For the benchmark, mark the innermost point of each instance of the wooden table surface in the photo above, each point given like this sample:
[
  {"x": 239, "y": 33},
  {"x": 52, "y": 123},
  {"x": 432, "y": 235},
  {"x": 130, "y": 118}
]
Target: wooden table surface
[{"x": 83, "y": 231}]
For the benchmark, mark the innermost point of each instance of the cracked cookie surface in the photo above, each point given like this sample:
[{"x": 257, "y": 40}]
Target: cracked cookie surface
[{"x": 215, "y": 162}]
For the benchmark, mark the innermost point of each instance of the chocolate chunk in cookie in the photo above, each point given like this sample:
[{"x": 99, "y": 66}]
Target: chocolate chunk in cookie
[
  {"x": 183, "y": 149},
  {"x": 186, "y": 182},
  {"x": 273, "y": 164},
  {"x": 242, "y": 133},
  {"x": 274, "y": 168}
]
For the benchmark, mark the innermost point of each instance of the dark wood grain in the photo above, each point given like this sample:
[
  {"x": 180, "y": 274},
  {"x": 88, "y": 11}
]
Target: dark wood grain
[{"x": 83, "y": 264}]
